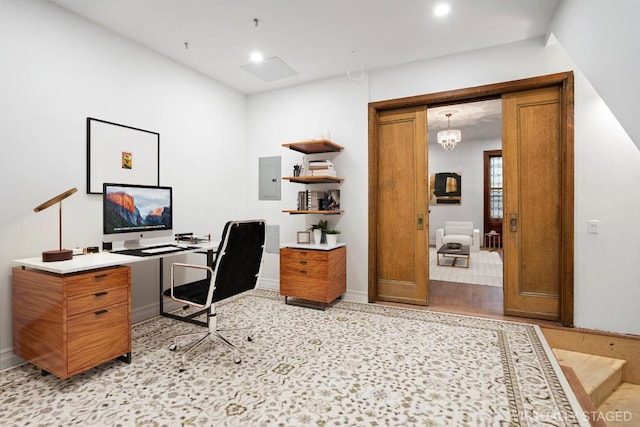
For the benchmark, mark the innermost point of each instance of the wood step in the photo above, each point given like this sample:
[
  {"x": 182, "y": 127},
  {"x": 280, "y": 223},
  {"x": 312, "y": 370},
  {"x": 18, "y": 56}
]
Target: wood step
[
  {"x": 622, "y": 407},
  {"x": 598, "y": 375}
]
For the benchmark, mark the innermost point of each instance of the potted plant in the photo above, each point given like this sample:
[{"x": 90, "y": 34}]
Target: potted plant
[
  {"x": 332, "y": 236},
  {"x": 318, "y": 230}
]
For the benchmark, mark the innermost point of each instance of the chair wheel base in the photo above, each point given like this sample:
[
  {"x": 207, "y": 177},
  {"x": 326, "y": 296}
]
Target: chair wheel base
[
  {"x": 237, "y": 360},
  {"x": 249, "y": 339},
  {"x": 173, "y": 347}
]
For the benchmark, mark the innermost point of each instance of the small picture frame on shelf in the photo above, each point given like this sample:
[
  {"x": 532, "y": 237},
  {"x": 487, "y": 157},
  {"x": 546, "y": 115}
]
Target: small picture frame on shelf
[{"x": 304, "y": 237}]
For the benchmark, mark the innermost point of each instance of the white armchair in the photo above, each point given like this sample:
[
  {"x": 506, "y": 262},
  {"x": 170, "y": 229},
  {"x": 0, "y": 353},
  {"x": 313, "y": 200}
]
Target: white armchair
[{"x": 458, "y": 232}]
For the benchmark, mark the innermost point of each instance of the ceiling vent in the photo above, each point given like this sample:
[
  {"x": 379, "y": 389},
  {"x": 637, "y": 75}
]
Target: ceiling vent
[{"x": 270, "y": 69}]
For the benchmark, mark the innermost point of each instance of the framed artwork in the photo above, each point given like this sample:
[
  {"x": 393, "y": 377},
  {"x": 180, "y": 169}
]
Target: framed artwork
[
  {"x": 121, "y": 154},
  {"x": 304, "y": 237},
  {"x": 445, "y": 188}
]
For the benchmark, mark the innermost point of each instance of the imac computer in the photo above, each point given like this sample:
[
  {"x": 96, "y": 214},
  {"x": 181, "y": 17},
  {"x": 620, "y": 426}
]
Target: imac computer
[{"x": 134, "y": 212}]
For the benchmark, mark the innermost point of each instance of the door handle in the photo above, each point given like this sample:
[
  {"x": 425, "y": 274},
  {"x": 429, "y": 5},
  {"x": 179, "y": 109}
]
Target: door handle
[
  {"x": 513, "y": 222},
  {"x": 420, "y": 224}
]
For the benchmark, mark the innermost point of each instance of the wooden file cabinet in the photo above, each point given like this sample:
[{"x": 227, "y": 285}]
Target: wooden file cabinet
[
  {"x": 312, "y": 274},
  {"x": 68, "y": 323}
]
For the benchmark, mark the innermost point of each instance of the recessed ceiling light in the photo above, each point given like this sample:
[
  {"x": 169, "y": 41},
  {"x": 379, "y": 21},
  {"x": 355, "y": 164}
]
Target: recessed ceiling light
[
  {"x": 442, "y": 9},
  {"x": 256, "y": 57}
]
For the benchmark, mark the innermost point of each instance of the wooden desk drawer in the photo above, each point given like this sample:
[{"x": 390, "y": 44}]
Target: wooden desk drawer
[
  {"x": 97, "y": 337},
  {"x": 96, "y": 281},
  {"x": 104, "y": 297}
]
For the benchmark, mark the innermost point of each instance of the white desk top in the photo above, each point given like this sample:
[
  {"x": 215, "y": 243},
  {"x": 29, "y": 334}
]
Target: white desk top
[
  {"x": 320, "y": 247},
  {"x": 103, "y": 259}
]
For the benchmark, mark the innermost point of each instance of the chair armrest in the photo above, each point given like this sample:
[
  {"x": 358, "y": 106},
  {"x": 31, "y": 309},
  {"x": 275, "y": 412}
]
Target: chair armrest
[
  {"x": 476, "y": 240},
  {"x": 439, "y": 236},
  {"x": 195, "y": 267}
]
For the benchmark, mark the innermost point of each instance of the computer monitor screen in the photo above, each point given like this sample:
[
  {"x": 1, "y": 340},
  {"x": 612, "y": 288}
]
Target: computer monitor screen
[{"x": 134, "y": 212}]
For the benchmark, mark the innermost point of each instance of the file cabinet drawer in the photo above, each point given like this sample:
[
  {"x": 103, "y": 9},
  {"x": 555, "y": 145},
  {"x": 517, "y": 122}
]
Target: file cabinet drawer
[
  {"x": 97, "y": 336},
  {"x": 101, "y": 298},
  {"x": 96, "y": 281}
]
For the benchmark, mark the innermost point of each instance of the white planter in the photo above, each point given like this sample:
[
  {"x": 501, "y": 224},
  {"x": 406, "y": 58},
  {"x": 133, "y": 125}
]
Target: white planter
[
  {"x": 317, "y": 236},
  {"x": 332, "y": 239}
]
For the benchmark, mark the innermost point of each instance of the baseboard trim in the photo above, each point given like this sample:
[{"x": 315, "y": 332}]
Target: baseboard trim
[{"x": 9, "y": 360}]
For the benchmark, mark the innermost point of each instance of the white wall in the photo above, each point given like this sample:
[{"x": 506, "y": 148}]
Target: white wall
[
  {"x": 337, "y": 107},
  {"x": 57, "y": 70},
  {"x": 467, "y": 159},
  {"x": 606, "y": 291},
  {"x": 606, "y": 55}
]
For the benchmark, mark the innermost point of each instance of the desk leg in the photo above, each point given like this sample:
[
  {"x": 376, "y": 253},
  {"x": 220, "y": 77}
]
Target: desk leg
[{"x": 161, "y": 282}]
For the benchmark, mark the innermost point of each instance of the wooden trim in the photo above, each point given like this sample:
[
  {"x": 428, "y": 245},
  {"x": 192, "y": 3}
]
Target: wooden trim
[
  {"x": 373, "y": 203},
  {"x": 478, "y": 93},
  {"x": 567, "y": 138},
  {"x": 590, "y": 410},
  {"x": 473, "y": 94}
]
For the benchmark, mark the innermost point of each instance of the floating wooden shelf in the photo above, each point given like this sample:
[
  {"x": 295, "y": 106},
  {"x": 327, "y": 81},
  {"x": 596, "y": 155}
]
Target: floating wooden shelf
[
  {"x": 296, "y": 212},
  {"x": 313, "y": 179},
  {"x": 314, "y": 146}
]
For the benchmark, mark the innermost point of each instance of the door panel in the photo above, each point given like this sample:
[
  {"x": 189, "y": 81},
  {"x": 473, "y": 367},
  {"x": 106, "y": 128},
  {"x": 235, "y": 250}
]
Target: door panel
[
  {"x": 402, "y": 247},
  {"x": 533, "y": 216}
]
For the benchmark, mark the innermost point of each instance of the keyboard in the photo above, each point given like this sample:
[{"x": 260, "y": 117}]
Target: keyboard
[
  {"x": 161, "y": 249},
  {"x": 154, "y": 250}
]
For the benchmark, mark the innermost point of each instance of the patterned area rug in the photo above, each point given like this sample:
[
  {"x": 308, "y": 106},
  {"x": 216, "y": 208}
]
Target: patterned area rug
[
  {"x": 485, "y": 268},
  {"x": 351, "y": 365}
]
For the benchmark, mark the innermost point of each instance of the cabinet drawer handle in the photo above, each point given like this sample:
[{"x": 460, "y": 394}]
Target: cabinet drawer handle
[
  {"x": 303, "y": 262},
  {"x": 302, "y": 253},
  {"x": 101, "y": 294},
  {"x": 101, "y": 312},
  {"x": 303, "y": 271},
  {"x": 101, "y": 276}
]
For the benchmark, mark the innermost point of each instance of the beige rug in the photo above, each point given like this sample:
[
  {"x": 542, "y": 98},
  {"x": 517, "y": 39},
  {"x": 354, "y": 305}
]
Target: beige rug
[
  {"x": 485, "y": 268},
  {"x": 351, "y": 365}
]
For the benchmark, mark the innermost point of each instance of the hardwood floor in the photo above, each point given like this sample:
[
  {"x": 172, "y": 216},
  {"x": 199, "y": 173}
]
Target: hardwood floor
[
  {"x": 463, "y": 296},
  {"x": 469, "y": 299}
]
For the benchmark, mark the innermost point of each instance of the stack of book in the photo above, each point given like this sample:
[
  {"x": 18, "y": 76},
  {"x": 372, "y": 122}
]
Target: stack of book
[
  {"x": 316, "y": 200},
  {"x": 321, "y": 168},
  {"x": 302, "y": 201}
]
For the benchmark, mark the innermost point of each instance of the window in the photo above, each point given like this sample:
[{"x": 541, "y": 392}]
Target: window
[{"x": 495, "y": 187}]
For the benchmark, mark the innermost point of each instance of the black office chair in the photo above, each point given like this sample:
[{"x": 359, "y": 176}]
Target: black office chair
[{"x": 236, "y": 269}]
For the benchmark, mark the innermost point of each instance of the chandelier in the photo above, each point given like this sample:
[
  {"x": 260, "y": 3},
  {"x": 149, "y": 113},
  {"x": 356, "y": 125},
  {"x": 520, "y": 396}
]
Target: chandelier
[{"x": 449, "y": 138}]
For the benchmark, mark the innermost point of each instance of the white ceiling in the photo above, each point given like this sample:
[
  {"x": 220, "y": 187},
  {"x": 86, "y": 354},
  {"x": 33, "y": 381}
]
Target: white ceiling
[
  {"x": 318, "y": 39},
  {"x": 477, "y": 121}
]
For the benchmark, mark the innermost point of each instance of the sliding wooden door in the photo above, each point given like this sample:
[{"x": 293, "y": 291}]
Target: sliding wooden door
[
  {"x": 402, "y": 255},
  {"x": 532, "y": 155},
  {"x": 539, "y": 144}
]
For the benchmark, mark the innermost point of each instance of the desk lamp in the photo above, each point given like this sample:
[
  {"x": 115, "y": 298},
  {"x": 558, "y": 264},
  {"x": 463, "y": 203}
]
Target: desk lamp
[{"x": 60, "y": 254}]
